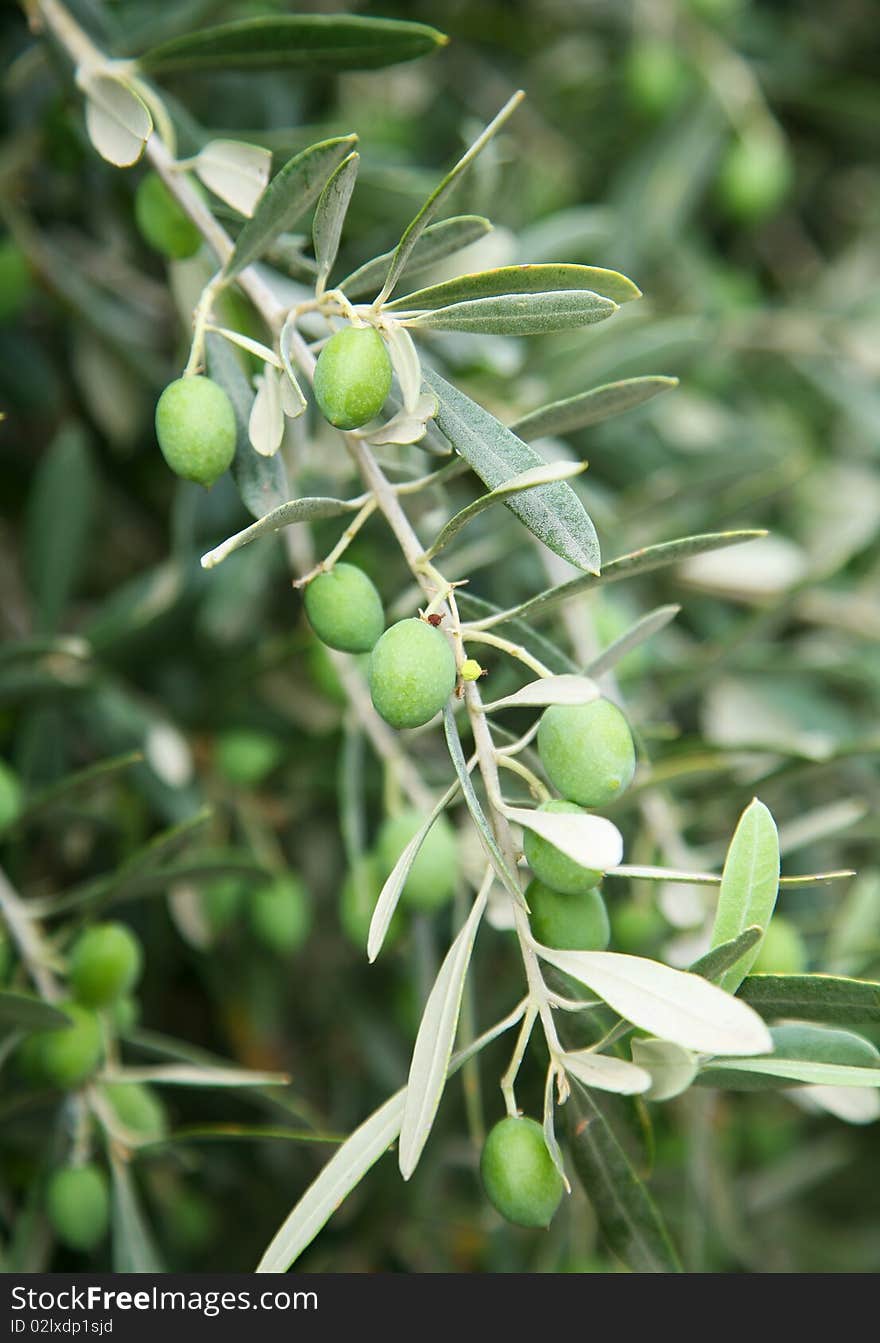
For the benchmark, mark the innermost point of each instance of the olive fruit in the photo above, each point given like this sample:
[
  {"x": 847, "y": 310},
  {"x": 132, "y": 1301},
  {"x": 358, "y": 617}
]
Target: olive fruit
[
  {"x": 78, "y": 1206},
  {"x": 782, "y": 950},
  {"x": 352, "y": 377},
  {"x": 357, "y": 900},
  {"x": 412, "y": 673},
  {"x": 518, "y": 1173},
  {"x": 66, "y": 1057},
  {"x": 587, "y": 751},
  {"x": 550, "y": 865},
  {"x": 635, "y": 927},
  {"x": 162, "y": 222},
  {"x": 124, "y": 1014},
  {"x": 195, "y": 426},
  {"x": 755, "y": 176},
  {"x": 280, "y": 915},
  {"x": 137, "y": 1109},
  {"x": 10, "y": 796},
  {"x": 568, "y": 922},
  {"x": 221, "y": 901},
  {"x": 344, "y": 609},
  {"x": 104, "y": 964},
  {"x": 432, "y": 877},
  {"x": 246, "y": 756},
  {"x": 655, "y": 76}
]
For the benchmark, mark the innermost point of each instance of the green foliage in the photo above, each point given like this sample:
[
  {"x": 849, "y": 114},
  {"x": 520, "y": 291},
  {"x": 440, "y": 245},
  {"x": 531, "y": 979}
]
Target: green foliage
[
  {"x": 587, "y": 751},
  {"x": 412, "y": 673},
  {"x": 352, "y": 377},
  {"x": 518, "y": 1173},
  {"x": 345, "y": 609},
  {"x": 195, "y": 427}
]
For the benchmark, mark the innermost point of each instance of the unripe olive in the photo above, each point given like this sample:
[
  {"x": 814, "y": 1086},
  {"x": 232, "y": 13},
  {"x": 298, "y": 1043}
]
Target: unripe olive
[
  {"x": 222, "y": 901},
  {"x": 104, "y": 964},
  {"x": 124, "y": 1014},
  {"x": 635, "y": 927},
  {"x": 78, "y": 1206},
  {"x": 15, "y": 280},
  {"x": 518, "y": 1173},
  {"x": 568, "y": 922},
  {"x": 10, "y": 796},
  {"x": 344, "y": 609},
  {"x": 357, "y": 900},
  {"x": 195, "y": 426},
  {"x": 138, "y": 1109},
  {"x": 755, "y": 176},
  {"x": 412, "y": 673},
  {"x": 66, "y": 1057},
  {"x": 352, "y": 377},
  {"x": 162, "y": 222},
  {"x": 587, "y": 751},
  {"x": 432, "y": 877},
  {"x": 782, "y": 950},
  {"x": 246, "y": 756},
  {"x": 655, "y": 75},
  {"x": 550, "y": 865},
  {"x": 280, "y": 914}
]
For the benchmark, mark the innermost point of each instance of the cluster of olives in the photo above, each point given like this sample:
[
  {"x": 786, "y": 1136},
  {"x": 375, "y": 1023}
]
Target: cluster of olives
[{"x": 103, "y": 968}]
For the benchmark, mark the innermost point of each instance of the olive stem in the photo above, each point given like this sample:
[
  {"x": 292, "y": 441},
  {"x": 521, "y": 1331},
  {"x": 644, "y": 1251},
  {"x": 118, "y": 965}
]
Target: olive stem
[
  {"x": 511, "y": 649},
  {"x": 508, "y": 1081},
  {"x": 538, "y": 790},
  {"x": 365, "y": 513}
]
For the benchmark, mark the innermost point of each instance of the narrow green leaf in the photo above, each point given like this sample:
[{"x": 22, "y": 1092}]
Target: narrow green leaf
[
  {"x": 792, "y": 1072},
  {"x": 133, "y": 1247},
  {"x": 330, "y": 215},
  {"x": 634, "y": 637},
  {"x": 295, "y": 41},
  {"x": 417, "y": 225},
  {"x": 518, "y": 314},
  {"x": 434, "y": 1041},
  {"x": 23, "y": 1012},
  {"x": 291, "y": 192},
  {"x": 72, "y": 783},
  {"x": 713, "y": 965},
  {"x": 638, "y": 562},
  {"x": 527, "y": 480},
  {"x": 484, "y": 830},
  {"x": 296, "y": 510},
  {"x": 554, "y": 513},
  {"x": 749, "y": 886},
  {"x": 477, "y": 609},
  {"x": 628, "y": 1217},
  {"x": 60, "y": 511},
  {"x": 189, "y": 1075},
  {"x": 535, "y": 280},
  {"x": 261, "y": 481},
  {"x": 546, "y": 690},
  {"x": 672, "y": 1069},
  {"x": 437, "y": 241},
  {"x": 825, "y": 998},
  {"x": 600, "y": 403},
  {"x": 604, "y": 1072}
]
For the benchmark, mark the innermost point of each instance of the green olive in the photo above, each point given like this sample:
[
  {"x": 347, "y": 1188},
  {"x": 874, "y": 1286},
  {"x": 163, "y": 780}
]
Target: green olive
[
  {"x": 280, "y": 914},
  {"x": 78, "y": 1206},
  {"x": 138, "y": 1109},
  {"x": 518, "y": 1173},
  {"x": 782, "y": 950},
  {"x": 352, "y": 377},
  {"x": 66, "y": 1057},
  {"x": 412, "y": 673},
  {"x": 124, "y": 1014},
  {"x": 587, "y": 751},
  {"x": 553, "y": 867},
  {"x": 344, "y": 609},
  {"x": 432, "y": 877},
  {"x": 245, "y": 756},
  {"x": 195, "y": 426},
  {"x": 568, "y": 922},
  {"x": 162, "y": 222},
  {"x": 222, "y": 900},
  {"x": 656, "y": 77},
  {"x": 105, "y": 963},
  {"x": 636, "y": 927},
  {"x": 755, "y": 176}
]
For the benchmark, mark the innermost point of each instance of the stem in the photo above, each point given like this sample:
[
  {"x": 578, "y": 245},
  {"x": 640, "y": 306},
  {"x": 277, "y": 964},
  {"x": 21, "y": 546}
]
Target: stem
[{"x": 29, "y": 940}]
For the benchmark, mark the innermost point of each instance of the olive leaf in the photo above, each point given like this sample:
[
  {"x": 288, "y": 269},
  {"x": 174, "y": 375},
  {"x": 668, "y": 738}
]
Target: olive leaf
[
  {"x": 434, "y": 1041},
  {"x": 536, "y": 280},
  {"x": 23, "y": 1012},
  {"x": 713, "y": 964},
  {"x": 825, "y": 998},
  {"x": 518, "y": 314},
  {"x": 134, "y": 1250},
  {"x": 437, "y": 242},
  {"x": 606, "y": 1073},
  {"x": 299, "y": 41},
  {"x": 117, "y": 119},
  {"x": 330, "y": 215},
  {"x": 261, "y": 481},
  {"x": 749, "y": 885},
  {"x": 590, "y": 841},
  {"x": 638, "y": 634},
  {"x": 600, "y": 403},
  {"x": 235, "y": 171},
  {"x": 672, "y": 1068},
  {"x": 291, "y": 192},
  {"x": 545, "y": 474},
  {"x": 547, "y": 690},
  {"x": 554, "y": 513},
  {"x": 295, "y": 510}
]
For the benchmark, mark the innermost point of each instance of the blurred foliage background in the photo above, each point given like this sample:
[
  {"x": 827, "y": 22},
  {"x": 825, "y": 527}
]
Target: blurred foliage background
[{"x": 724, "y": 153}]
